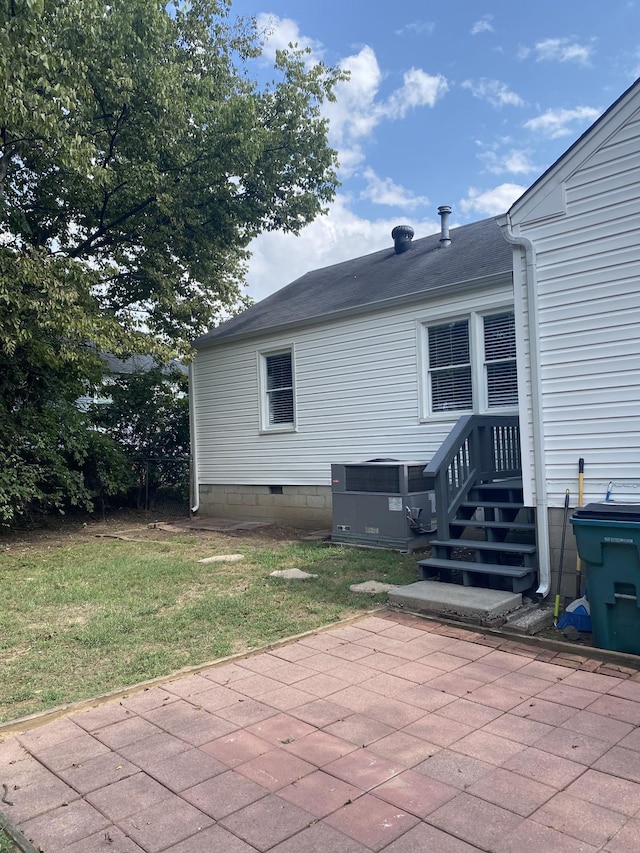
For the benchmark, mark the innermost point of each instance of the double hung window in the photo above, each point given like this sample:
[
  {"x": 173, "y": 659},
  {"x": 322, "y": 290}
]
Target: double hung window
[
  {"x": 471, "y": 364},
  {"x": 278, "y": 405}
]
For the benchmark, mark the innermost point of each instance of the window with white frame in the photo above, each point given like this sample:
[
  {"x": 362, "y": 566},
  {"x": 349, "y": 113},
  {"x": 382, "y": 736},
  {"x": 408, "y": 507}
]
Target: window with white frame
[
  {"x": 500, "y": 360},
  {"x": 278, "y": 410},
  {"x": 471, "y": 363},
  {"x": 450, "y": 367}
]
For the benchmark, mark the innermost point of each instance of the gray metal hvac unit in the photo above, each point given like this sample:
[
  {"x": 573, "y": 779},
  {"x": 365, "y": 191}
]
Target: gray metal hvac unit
[{"x": 382, "y": 503}]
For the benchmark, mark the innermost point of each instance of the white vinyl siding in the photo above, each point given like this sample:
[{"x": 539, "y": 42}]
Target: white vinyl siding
[
  {"x": 358, "y": 387},
  {"x": 587, "y": 262}
]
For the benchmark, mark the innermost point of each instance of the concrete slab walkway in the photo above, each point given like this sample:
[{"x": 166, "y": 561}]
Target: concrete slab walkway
[{"x": 393, "y": 734}]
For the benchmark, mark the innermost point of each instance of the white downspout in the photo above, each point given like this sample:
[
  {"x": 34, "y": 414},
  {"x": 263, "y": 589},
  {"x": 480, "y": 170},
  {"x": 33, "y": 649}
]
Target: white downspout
[
  {"x": 542, "y": 514},
  {"x": 195, "y": 485}
]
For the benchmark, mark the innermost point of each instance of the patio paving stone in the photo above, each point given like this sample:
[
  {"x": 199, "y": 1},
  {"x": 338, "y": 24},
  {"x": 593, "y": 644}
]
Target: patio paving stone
[
  {"x": 109, "y": 839},
  {"x": 627, "y": 840},
  {"x": 164, "y": 823},
  {"x": 319, "y": 748},
  {"x": 415, "y": 793},
  {"x": 582, "y": 820},
  {"x": 475, "y": 820},
  {"x": 98, "y": 772},
  {"x": 403, "y": 747},
  {"x": 394, "y": 734},
  {"x": 533, "y": 836},
  {"x": 359, "y": 729},
  {"x": 428, "y": 839},
  {"x": 151, "y": 750},
  {"x": 283, "y": 728},
  {"x": 511, "y": 791},
  {"x": 364, "y": 769},
  {"x": 319, "y": 793},
  {"x": 275, "y": 769},
  {"x": 130, "y": 795},
  {"x": 237, "y": 747},
  {"x": 214, "y": 839},
  {"x": 619, "y": 761},
  {"x": 321, "y": 713},
  {"x": 186, "y": 769},
  {"x": 267, "y": 822},
  {"x": 371, "y": 821},
  {"x": 224, "y": 794},
  {"x": 64, "y": 825},
  {"x": 618, "y": 794}
]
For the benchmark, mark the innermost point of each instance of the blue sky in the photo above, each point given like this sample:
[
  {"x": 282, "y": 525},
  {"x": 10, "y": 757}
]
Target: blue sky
[{"x": 462, "y": 102}]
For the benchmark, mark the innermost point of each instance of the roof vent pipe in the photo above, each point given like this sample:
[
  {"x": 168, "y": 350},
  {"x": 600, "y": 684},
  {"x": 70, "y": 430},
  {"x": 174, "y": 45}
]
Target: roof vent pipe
[
  {"x": 402, "y": 236},
  {"x": 444, "y": 211}
]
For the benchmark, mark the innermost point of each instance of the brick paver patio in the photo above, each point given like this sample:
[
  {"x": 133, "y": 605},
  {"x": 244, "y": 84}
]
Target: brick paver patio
[{"x": 391, "y": 734}]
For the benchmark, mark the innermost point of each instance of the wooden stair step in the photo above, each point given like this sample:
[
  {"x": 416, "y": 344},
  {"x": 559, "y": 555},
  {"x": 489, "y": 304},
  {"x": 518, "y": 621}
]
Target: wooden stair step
[
  {"x": 492, "y": 525},
  {"x": 493, "y": 504},
  {"x": 484, "y": 568},
  {"x": 483, "y": 545},
  {"x": 509, "y": 483}
]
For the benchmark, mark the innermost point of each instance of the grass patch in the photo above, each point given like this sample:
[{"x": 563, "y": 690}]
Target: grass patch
[
  {"x": 82, "y": 619},
  {"x": 6, "y": 844}
]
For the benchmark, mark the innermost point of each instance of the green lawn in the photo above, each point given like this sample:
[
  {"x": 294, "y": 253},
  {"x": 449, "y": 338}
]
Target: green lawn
[
  {"x": 6, "y": 844},
  {"x": 78, "y": 620}
]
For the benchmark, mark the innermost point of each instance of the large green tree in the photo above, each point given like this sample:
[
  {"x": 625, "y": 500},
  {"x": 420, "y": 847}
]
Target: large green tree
[{"x": 138, "y": 159}]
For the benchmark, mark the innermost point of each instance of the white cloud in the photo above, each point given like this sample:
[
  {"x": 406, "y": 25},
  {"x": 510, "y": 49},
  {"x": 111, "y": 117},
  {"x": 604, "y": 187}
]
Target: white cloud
[
  {"x": 279, "y": 259},
  {"x": 419, "y": 89},
  {"x": 354, "y": 113},
  {"x": 496, "y": 93},
  {"x": 416, "y": 28},
  {"x": 556, "y": 123},
  {"x": 558, "y": 50},
  {"x": 491, "y": 202},
  {"x": 514, "y": 161},
  {"x": 385, "y": 191},
  {"x": 357, "y": 110},
  {"x": 484, "y": 25},
  {"x": 279, "y": 33}
]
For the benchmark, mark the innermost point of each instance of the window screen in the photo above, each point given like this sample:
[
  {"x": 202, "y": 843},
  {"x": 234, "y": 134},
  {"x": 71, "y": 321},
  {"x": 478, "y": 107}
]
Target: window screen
[
  {"x": 500, "y": 360},
  {"x": 450, "y": 367},
  {"x": 279, "y": 388}
]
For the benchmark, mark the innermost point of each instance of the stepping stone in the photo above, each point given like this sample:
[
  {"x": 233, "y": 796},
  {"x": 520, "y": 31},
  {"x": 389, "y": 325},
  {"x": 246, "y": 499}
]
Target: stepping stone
[
  {"x": 372, "y": 587},
  {"x": 223, "y": 558},
  {"x": 292, "y": 575}
]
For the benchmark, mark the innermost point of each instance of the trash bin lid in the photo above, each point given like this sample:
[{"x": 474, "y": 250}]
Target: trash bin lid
[{"x": 609, "y": 512}]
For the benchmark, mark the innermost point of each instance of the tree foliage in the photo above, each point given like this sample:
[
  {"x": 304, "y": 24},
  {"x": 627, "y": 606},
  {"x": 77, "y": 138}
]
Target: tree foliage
[
  {"x": 138, "y": 159},
  {"x": 147, "y": 420}
]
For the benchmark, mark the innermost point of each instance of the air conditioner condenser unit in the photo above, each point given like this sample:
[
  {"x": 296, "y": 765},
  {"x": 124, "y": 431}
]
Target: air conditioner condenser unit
[{"x": 384, "y": 504}]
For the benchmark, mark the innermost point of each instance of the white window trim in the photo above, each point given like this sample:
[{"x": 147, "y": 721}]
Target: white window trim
[
  {"x": 478, "y": 363},
  {"x": 266, "y": 427}
]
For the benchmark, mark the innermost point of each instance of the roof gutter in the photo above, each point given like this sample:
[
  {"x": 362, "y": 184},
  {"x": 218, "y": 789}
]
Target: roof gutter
[
  {"x": 195, "y": 480},
  {"x": 542, "y": 517}
]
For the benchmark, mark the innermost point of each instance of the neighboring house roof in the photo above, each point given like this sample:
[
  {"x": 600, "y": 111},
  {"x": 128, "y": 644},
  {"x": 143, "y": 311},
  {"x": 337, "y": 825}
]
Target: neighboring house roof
[
  {"x": 477, "y": 251},
  {"x": 139, "y": 364}
]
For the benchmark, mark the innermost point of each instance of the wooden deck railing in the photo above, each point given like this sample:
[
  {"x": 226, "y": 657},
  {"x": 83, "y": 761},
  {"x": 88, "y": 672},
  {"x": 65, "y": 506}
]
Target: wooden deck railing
[{"x": 479, "y": 449}]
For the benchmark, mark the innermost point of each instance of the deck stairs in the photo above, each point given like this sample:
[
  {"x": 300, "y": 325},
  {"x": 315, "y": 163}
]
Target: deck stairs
[{"x": 486, "y": 535}]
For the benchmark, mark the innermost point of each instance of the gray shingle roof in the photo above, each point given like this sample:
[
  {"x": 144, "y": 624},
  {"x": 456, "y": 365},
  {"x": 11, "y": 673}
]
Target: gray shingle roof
[{"x": 477, "y": 251}]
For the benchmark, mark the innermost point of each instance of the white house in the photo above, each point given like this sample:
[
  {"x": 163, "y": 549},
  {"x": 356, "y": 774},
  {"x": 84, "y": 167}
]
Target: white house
[{"x": 533, "y": 314}]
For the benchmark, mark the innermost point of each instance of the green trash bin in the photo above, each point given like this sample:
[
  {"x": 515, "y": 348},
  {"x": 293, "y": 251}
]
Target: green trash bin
[{"x": 608, "y": 539}]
